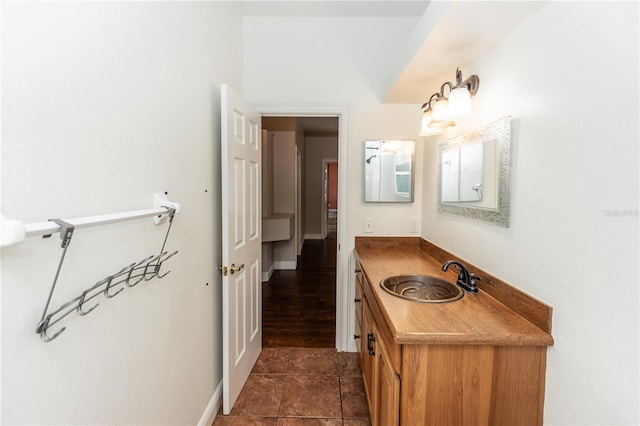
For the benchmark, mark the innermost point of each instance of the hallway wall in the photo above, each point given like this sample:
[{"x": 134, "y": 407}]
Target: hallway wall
[
  {"x": 317, "y": 148},
  {"x": 103, "y": 104}
]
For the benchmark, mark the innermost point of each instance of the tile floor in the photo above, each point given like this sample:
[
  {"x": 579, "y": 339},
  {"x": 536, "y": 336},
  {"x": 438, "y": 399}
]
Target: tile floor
[{"x": 300, "y": 387}]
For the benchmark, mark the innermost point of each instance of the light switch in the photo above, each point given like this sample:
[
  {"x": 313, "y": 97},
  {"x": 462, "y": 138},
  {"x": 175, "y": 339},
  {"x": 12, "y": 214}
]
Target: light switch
[{"x": 368, "y": 224}]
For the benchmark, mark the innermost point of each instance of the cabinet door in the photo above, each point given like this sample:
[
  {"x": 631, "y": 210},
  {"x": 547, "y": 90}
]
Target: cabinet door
[
  {"x": 369, "y": 362},
  {"x": 358, "y": 313},
  {"x": 388, "y": 397}
]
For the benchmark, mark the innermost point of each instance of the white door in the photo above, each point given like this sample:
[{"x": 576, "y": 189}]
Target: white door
[{"x": 241, "y": 243}]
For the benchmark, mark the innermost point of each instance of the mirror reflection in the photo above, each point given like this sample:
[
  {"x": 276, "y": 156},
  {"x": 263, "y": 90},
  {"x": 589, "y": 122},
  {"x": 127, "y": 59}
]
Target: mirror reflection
[
  {"x": 389, "y": 171},
  {"x": 469, "y": 174},
  {"x": 474, "y": 173}
]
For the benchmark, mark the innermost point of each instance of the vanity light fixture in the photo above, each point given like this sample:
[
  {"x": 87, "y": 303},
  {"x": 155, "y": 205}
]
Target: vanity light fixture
[{"x": 441, "y": 111}]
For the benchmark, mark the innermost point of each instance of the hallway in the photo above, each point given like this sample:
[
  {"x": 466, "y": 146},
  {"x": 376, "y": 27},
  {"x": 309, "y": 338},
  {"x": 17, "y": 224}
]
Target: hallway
[{"x": 299, "y": 306}]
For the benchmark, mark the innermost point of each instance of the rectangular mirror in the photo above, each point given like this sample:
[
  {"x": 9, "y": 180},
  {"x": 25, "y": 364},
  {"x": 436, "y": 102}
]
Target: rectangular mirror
[
  {"x": 474, "y": 174},
  {"x": 389, "y": 171}
]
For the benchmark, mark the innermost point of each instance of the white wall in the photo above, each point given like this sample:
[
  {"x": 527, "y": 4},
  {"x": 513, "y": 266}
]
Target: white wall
[
  {"x": 569, "y": 79},
  {"x": 317, "y": 148},
  {"x": 330, "y": 61},
  {"x": 284, "y": 193},
  {"x": 102, "y": 105}
]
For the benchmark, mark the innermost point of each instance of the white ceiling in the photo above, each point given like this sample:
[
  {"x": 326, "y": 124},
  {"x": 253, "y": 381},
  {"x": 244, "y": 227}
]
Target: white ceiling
[
  {"x": 448, "y": 35},
  {"x": 461, "y": 35},
  {"x": 335, "y": 8}
]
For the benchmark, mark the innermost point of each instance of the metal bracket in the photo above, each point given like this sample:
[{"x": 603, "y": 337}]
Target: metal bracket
[
  {"x": 66, "y": 231},
  {"x": 161, "y": 201}
]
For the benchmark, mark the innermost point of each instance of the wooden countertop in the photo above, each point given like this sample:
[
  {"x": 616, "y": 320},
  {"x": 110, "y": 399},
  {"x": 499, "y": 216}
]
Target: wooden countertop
[{"x": 473, "y": 320}]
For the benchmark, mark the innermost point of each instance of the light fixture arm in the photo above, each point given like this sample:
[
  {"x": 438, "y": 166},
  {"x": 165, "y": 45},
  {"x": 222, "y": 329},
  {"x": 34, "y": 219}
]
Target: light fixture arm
[
  {"x": 472, "y": 83},
  {"x": 445, "y": 84},
  {"x": 428, "y": 103}
]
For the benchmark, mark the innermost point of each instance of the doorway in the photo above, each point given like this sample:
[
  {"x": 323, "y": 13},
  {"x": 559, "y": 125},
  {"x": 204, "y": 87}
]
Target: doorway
[{"x": 314, "y": 246}]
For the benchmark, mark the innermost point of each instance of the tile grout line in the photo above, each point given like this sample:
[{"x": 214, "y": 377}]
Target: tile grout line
[{"x": 284, "y": 385}]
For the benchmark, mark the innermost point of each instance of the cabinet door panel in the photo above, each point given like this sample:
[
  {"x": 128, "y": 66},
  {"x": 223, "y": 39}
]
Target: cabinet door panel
[
  {"x": 369, "y": 360},
  {"x": 388, "y": 398},
  {"x": 358, "y": 313}
]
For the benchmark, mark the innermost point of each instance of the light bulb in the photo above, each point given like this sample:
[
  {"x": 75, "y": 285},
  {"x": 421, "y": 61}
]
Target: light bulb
[
  {"x": 426, "y": 120},
  {"x": 460, "y": 102},
  {"x": 440, "y": 110}
]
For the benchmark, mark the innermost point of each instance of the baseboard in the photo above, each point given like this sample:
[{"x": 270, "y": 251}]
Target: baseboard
[
  {"x": 352, "y": 345},
  {"x": 266, "y": 276},
  {"x": 214, "y": 405},
  {"x": 312, "y": 236},
  {"x": 285, "y": 264}
]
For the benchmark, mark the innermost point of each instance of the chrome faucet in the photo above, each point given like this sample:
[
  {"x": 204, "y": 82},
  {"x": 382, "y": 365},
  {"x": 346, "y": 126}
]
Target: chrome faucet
[{"x": 465, "y": 279}]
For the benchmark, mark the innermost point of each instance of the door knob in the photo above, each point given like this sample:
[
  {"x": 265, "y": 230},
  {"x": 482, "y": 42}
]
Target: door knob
[{"x": 231, "y": 269}]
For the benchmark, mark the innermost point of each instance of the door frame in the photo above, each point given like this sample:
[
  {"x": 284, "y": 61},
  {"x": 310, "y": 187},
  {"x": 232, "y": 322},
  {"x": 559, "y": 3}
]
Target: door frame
[
  {"x": 325, "y": 195},
  {"x": 343, "y": 342}
]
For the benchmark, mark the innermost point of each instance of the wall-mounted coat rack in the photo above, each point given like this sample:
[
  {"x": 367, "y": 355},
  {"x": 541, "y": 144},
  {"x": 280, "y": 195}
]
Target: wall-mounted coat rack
[{"x": 14, "y": 231}]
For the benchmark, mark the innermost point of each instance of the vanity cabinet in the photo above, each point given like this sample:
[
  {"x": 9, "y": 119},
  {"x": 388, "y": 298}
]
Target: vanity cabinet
[
  {"x": 420, "y": 377},
  {"x": 381, "y": 380}
]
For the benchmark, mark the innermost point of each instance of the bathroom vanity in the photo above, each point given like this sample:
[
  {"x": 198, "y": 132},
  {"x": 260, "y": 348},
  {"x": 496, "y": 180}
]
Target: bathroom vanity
[{"x": 479, "y": 360}]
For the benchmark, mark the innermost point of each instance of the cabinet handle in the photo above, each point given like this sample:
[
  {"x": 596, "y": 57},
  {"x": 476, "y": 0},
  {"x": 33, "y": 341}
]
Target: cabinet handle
[
  {"x": 370, "y": 339},
  {"x": 357, "y": 270},
  {"x": 356, "y": 300},
  {"x": 356, "y": 336}
]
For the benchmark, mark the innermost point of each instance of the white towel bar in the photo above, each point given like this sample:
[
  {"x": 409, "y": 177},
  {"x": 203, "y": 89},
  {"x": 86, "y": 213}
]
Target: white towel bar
[{"x": 14, "y": 231}]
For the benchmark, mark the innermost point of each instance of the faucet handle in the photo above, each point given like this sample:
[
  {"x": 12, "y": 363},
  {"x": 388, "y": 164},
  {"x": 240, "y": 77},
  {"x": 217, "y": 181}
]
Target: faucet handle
[{"x": 473, "y": 278}]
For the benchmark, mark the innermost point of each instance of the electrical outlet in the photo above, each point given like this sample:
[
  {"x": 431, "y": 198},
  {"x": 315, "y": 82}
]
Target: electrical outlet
[
  {"x": 414, "y": 226},
  {"x": 368, "y": 224}
]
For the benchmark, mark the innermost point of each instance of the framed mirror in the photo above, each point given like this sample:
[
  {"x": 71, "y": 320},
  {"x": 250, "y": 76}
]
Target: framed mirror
[
  {"x": 473, "y": 178},
  {"x": 389, "y": 171}
]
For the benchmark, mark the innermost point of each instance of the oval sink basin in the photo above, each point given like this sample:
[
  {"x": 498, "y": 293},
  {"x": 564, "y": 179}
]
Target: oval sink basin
[{"x": 422, "y": 288}]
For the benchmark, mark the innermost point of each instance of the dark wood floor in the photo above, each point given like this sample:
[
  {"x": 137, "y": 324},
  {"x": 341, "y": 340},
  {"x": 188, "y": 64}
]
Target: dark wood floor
[{"x": 299, "y": 307}]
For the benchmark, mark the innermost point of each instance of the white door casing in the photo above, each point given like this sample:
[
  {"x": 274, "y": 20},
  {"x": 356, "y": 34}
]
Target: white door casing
[
  {"x": 344, "y": 278},
  {"x": 241, "y": 242}
]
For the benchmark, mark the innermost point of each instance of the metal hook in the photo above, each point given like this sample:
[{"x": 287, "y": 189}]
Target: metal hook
[
  {"x": 109, "y": 279},
  {"x": 106, "y": 289},
  {"x": 155, "y": 267},
  {"x": 43, "y": 326},
  {"x": 81, "y": 302},
  {"x": 160, "y": 264},
  {"x": 82, "y": 299},
  {"x": 133, "y": 268}
]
